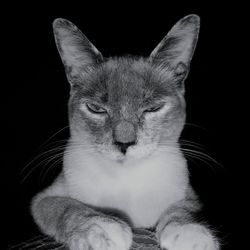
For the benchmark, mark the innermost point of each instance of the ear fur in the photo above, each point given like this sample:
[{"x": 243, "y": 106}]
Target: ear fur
[
  {"x": 76, "y": 51},
  {"x": 176, "y": 49}
]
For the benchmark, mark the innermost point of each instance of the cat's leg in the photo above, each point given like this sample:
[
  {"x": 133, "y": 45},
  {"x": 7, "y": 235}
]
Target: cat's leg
[
  {"x": 177, "y": 229},
  {"x": 79, "y": 226}
]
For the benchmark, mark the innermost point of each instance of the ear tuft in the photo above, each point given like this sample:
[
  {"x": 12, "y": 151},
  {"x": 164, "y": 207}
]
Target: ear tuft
[
  {"x": 61, "y": 22},
  {"x": 192, "y": 18}
]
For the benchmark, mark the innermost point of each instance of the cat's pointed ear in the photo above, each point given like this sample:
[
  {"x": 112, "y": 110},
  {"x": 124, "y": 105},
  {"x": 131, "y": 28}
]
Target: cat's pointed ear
[
  {"x": 76, "y": 51},
  {"x": 176, "y": 49}
]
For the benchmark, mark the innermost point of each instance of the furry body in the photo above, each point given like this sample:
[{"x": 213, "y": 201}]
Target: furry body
[
  {"x": 126, "y": 115},
  {"x": 142, "y": 200}
]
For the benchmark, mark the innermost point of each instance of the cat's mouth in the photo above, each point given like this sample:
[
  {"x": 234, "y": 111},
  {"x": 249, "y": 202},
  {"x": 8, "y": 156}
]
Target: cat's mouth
[
  {"x": 133, "y": 152},
  {"x": 125, "y": 153},
  {"x": 121, "y": 153}
]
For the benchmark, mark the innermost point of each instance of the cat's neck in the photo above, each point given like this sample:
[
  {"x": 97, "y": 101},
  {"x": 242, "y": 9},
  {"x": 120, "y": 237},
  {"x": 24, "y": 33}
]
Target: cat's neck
[{"x": 154, "y": 182}]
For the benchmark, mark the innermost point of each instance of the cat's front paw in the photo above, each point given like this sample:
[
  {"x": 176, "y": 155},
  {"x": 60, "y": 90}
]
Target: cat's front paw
[
  {"x": 102, "y": 235},
  {"x": 187, "y": 237}
]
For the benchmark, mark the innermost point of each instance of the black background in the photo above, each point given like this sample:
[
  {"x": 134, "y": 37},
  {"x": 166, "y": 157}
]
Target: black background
[{"x": 36, "y": 100}]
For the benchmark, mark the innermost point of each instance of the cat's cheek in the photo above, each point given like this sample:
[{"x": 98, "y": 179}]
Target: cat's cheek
[
  {"x": 154, "y": 122},
  {"x": 151, "y": 130},
  {"x": 90, "y": 122}
]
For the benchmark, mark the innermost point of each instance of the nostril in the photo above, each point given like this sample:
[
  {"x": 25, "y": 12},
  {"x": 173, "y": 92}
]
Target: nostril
[{"x": 124, "y": 146}]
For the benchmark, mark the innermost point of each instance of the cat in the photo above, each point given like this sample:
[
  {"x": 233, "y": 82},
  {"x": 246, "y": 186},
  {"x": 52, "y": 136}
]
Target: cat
[{"x": 126, "y": 115}]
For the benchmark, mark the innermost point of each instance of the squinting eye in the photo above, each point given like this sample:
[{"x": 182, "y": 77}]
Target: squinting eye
[
  {"x": 154, "y": 109},
  {"x": 95, "y": 108}
]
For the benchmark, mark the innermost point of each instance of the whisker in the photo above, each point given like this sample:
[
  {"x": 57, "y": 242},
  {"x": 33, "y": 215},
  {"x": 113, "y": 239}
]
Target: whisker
[
  {"x": 36, "y": 241},
  {"x": 53, "y": 166},
  {"x": 197, "y": 126},
  {"x": 193, "y": 157},
  {"x": 42, "y": 155},
  {"x": 201, "y": 155},
  {"x": 52, "y": 154},
  {"x": 192, "y": 143},
  {"x": 56, "y": 133},
  {"x": 47, "y": 159},
  {"x": 196, "y": 153}
]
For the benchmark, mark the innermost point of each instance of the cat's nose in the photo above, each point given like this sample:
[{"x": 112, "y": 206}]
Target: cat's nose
[
  {"x": 124, "y": 136},
  {"x": 124, "y": 146}
]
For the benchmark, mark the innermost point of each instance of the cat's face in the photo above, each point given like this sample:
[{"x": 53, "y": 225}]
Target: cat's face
[
  {"x": 126, "y": 107},
  {"x": 126, "y": 101}
]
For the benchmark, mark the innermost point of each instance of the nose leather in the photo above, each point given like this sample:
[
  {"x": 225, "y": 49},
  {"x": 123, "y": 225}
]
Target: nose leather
[
  {"x": 124, "y": 146},
  {"x": 125, "y": 132}
]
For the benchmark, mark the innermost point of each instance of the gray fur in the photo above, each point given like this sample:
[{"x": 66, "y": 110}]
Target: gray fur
[
  {"x": 126, "y": 89},
  {"x": 61, "y": 222},
  {"x": 130, "y": 86}
]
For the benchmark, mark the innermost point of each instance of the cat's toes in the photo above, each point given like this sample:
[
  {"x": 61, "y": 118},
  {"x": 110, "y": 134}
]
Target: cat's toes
[
  {"x": 109, "y": 235},
  {"x": 187, "y": 237},
  {"x": 77, "y": 242},
  {"x": 101, "y": 234},
  {"x": 98, "y": 239}
]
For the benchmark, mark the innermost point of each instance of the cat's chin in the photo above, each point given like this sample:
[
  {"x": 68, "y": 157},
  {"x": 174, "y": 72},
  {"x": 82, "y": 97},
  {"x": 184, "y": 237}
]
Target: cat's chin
[
  {"x": 118, "y": 157},
  {"x": 131, "y": 155}
]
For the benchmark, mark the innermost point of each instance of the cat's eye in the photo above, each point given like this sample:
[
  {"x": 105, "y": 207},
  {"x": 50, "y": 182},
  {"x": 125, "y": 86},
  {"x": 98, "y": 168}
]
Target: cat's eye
[
  {"x": 95, "y": 108},
  {"x": 154, "y": 108}
]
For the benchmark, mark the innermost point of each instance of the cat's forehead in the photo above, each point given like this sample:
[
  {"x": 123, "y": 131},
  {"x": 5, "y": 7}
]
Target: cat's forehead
[
  {"x": 134, "y": 72},
  {"x": 121, "y": 78}
]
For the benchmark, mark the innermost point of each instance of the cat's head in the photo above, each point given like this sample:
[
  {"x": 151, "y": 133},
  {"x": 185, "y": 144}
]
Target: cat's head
[{"x": 127, "y": 106}]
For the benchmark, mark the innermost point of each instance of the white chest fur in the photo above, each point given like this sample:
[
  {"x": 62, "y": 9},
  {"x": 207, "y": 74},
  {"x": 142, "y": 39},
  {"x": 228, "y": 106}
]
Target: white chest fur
[{"x": 143, "y": 190}]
